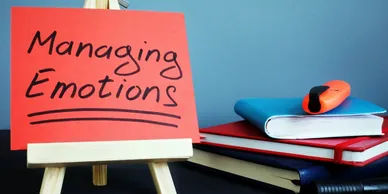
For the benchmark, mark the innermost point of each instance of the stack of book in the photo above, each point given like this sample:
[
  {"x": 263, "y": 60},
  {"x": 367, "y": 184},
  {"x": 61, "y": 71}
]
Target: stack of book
[{"x": 278, "y": 144}]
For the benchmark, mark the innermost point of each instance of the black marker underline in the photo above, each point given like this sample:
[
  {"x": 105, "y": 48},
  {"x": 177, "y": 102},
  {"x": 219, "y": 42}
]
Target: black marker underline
[
  {"x": 103, "y": 109},
  {"x": 103, "y": 119}
]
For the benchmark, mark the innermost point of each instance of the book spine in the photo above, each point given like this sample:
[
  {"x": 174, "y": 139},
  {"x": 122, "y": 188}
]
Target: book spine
[{"x": 252, "y": 115}]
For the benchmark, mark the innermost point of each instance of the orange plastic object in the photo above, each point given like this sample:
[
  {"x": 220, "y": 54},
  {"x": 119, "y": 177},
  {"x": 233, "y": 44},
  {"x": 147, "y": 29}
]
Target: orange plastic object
[{"x": 326, "y": 97}]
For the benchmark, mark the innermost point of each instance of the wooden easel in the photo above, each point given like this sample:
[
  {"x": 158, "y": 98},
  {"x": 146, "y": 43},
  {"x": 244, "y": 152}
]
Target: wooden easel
[{"x": 55, "y": 157}]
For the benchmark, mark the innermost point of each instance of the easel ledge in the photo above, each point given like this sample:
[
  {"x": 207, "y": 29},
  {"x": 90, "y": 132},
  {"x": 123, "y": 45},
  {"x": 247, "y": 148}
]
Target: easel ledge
[{"x": 43, "y": 155}]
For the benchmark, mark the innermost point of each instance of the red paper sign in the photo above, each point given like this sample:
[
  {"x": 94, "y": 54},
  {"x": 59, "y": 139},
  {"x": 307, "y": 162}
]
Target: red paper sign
[{"x": 99, "y": 75}]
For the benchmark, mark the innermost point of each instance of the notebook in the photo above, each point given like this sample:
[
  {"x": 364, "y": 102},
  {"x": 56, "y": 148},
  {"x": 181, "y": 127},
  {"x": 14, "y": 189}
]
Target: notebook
[
  {"x": 242, "y": 135},
  {"x": 283, "y": 172},
  {"x": 284, "y": 118}
]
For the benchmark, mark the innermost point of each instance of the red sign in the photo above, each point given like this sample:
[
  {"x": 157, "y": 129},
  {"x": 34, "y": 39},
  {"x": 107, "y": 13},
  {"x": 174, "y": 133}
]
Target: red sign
[{"x": 99, "y": 75}]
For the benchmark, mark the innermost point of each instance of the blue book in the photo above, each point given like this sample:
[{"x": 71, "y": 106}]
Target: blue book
[
  {"x": 284, "y": 118},
  {"x": 280, "y": 171}
]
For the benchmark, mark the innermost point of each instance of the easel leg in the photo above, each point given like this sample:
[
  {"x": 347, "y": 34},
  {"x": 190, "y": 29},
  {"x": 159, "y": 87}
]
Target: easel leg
[
  {"x": 100, "y": 175},
  {"x": 162, "y": 178},
  {"x": 52, "y": 180}
]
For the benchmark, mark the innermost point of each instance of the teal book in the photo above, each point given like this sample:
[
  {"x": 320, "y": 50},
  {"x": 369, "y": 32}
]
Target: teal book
[{"x": 284, "y": 118}]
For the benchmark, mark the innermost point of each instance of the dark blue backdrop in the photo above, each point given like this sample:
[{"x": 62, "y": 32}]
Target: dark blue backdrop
[{"x": 257, "y": 48}]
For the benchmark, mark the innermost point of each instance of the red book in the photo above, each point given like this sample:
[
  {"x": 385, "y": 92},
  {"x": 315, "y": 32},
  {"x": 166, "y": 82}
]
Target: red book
[{"x": 354, "y": 151}]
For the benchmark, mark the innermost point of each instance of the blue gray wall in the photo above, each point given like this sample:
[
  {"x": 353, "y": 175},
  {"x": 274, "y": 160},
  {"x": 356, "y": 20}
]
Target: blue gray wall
[{"x": 257, "y": 48}]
